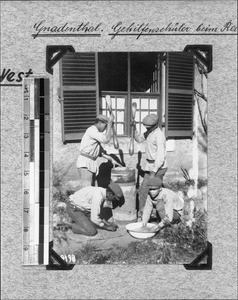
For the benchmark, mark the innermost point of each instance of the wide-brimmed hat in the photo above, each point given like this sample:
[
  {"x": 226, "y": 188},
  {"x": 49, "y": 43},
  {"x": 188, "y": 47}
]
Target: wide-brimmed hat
[
  {"x": 103, "y": 118},
  {"x": 154, "y": 183},
  {"x": 150, "y": 120},
  {"x": 116, "y": 189}
]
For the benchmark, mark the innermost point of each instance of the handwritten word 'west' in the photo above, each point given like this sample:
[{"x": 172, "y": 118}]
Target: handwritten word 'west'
[
  {"x": 10, "y": 75},
  {"x": 86, "y": 27},
  {"x": 145, "y": 29}
]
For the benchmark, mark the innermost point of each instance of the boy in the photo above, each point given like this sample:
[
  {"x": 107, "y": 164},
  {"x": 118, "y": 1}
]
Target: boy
[
  {"x": 90, "y": 149},
  {"x": 167, "y": 203},
  {"x": 86, "y": 208}
]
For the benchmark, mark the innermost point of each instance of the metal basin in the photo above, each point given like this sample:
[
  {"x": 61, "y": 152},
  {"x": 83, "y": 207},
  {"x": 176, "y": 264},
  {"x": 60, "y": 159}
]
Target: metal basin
[{"x": 135, "y": 230}]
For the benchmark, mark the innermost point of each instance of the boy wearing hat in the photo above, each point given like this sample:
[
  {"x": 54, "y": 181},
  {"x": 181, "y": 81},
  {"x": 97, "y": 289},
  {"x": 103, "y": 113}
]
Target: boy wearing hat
[
  {"x": 90, "y": 148},
  {"x": 155, "y": 149},
  {"x": 168, "y": 205},
  {"x": 86, "y": 208}
]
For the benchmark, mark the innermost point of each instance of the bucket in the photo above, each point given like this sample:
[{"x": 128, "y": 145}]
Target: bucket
[{"x": 125, "y": 178}]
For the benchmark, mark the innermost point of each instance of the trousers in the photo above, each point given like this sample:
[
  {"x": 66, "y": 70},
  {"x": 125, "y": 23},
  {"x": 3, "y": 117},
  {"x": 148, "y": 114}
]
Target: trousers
[
  {"x": 82, "y": 224},
  {"x": 86, "y": 177}
]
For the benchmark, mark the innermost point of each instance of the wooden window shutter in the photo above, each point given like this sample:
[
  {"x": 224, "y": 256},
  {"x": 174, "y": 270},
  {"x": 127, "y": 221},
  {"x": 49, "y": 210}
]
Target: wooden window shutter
[
  {"x": 179, "y": 95},
  {"x": 78, "y": 94}
]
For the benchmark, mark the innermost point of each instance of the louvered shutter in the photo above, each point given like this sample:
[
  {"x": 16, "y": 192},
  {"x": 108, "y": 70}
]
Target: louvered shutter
[
  {"x": 78, "y": 93},
  {"x": 179, "y": 95}
]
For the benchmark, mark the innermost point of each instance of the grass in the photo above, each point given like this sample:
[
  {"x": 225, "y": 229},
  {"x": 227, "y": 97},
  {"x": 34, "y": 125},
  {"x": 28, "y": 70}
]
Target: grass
[
  {"x": 59, "y": 212},
  {"x": 134, "y": 253},
  {"x": 86, "y": 253},
  {"x": 186, "y": 237}
]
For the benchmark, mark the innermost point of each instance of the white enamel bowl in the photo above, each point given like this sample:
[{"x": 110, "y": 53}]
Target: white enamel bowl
[{"x": 134, "y": 230}]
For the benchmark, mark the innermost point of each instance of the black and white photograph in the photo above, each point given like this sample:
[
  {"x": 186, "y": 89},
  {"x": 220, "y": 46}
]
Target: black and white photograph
[
  {"x": 130, "y": 157},
  {"x": 118, "y": 149}
]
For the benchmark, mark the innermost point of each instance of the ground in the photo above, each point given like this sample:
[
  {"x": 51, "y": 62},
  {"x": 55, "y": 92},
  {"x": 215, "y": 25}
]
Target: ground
[
  {"x": 178, "y": 244},
  {"x": 104, "y": 240}
]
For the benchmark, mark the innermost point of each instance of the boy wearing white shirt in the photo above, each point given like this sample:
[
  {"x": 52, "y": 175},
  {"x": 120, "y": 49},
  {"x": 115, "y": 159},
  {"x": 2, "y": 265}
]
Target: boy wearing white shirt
[
  {"x": 90, "y": 148},
  {"x": 167, "y": 203},
  {"x": 91, "y": 201}
]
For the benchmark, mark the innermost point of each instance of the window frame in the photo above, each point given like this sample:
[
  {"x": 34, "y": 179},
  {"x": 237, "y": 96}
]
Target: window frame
[{"x": 162, "y": 106}]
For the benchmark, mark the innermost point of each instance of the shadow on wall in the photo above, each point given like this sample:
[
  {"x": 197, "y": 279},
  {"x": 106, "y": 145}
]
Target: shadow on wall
[
  {"x": 104, "y": 174},
  {"x": 104, "y": 179}
]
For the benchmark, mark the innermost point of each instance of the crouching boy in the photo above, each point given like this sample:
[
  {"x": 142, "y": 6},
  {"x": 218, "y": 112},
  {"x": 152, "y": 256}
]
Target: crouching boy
[
  {"x": 87, "y": 208},
  {"x": 168, "y": 205}
]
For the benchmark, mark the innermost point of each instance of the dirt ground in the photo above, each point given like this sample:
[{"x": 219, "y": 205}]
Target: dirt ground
[{"x": 67, "y": 242}]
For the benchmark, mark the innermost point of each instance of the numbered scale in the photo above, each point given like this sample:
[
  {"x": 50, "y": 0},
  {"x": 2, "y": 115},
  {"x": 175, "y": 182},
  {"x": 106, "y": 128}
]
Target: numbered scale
[{"x": 36, "y": 161}]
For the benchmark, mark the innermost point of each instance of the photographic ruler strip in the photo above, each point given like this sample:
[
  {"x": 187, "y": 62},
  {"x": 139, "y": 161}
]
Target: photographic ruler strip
[
  {"x": 36, "y": 171},
  {"x": 44, "y": 172}
]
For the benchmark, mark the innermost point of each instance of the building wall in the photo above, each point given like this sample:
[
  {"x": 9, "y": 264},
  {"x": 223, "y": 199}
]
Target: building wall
[
  {"x": 201, "y": 87},
  {"x": 179, "y": 152}
]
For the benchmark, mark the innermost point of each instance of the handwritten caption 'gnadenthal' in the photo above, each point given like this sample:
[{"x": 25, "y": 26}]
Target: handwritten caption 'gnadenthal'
[{"x": 41, "y": 28}]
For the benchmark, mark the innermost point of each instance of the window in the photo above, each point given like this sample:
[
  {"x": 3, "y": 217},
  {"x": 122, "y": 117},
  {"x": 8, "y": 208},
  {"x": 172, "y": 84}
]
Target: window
[
  {"x": 179, "y": 95},
  {"x": 118, "y": 100},
  {"x": 146, "y": 104},
  {"x": 87, "y": 78},
  {"x": 127, "y": 78},
  {"x": 78, "y": 94}
]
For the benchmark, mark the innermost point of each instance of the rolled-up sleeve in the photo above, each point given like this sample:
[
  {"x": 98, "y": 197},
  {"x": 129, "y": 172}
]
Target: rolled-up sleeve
[{"x": 147, "y": 210}]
